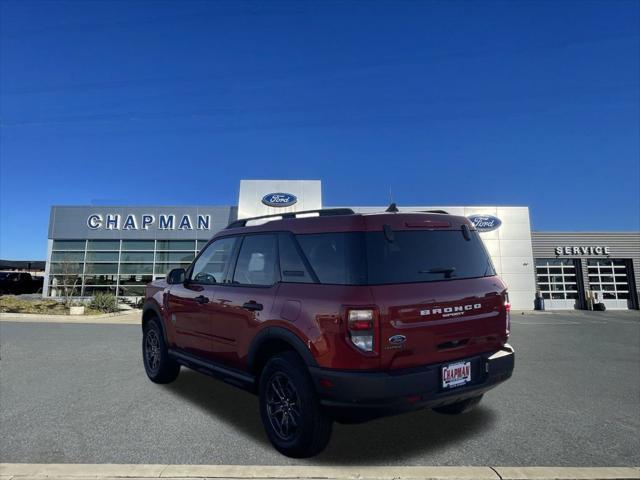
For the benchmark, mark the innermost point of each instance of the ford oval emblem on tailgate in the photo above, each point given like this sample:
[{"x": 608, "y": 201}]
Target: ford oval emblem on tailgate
[{"x": 397, "y": 339}]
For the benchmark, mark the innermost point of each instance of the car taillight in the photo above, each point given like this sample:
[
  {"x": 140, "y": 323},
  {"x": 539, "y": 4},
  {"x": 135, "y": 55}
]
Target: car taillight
[
  {"x": 362, "y": 326},
  {"x": 507, "y": 311}
]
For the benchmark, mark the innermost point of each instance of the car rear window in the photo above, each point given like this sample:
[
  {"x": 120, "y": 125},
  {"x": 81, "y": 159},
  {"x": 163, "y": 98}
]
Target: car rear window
[
  {"x": 371, "y": 258},
  {"x": 425, "y": 256}
]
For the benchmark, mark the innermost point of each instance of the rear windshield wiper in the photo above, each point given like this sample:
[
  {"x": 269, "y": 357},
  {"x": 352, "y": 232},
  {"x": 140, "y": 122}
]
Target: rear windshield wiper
[{"x": 448, "y": 272}]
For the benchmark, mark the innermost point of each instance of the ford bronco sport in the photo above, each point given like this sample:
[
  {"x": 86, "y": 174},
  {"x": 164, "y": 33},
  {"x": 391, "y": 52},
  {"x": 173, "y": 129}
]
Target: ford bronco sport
[{"x": 335, "y": 316}]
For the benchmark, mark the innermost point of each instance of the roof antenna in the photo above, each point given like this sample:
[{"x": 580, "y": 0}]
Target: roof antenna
[{"x": 392, "y": 208}]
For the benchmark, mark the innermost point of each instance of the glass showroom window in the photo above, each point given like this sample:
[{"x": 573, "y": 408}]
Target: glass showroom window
[
  {"x": 100, "y": 272},
  {"x": 114, "y": 266},
  {"x": 136, "y": 267},
  {"x": 98, "y": 280},
  {"x": 66, "y": 267},
  {"x": 101, "y": 267},
  {"x": 102, "y": 256},
  {"x": 132, "y": 285},
  {"x": 172, "y": 254},
  {"x": 146, "y": 245},
  {"x": 69, "y": 245}
]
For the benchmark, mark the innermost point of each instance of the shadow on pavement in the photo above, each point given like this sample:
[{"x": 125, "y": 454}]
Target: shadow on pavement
[
  {"x": 399, "y": 437},
  {"x": 376, "y": 442},
  {"x": 229, "y": 404}
]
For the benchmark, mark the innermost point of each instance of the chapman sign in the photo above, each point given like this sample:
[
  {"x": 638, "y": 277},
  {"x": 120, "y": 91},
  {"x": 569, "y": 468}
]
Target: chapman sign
[
  {"x": 485, "y": 223},
  {"x": 146, "y": 221}
]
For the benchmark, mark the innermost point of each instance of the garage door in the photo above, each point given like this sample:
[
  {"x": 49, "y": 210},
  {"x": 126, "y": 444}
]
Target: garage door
[
  {"x": 557, "y": 282},
  {"x": 610, "y": 279}
]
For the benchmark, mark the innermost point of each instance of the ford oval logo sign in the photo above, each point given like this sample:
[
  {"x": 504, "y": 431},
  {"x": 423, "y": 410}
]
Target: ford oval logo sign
[
  {"x": 279, "y": 199},
  {"x": 485, "y": 223}
]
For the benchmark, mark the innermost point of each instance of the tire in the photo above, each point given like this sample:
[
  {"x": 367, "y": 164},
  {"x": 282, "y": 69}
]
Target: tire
[
  {"x": 160, "y": 367},
  {"x": 457, "y": 408},
  {"x": 293, "y": 419}
]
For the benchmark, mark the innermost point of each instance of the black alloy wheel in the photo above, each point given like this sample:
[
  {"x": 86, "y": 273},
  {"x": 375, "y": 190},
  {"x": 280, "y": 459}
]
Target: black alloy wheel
[
  {"x": 283, "y": 406},
  {"x": 295, "y": 422},
  {"x": 158, "y": 365},
  {"x": 152, "y": 350}
]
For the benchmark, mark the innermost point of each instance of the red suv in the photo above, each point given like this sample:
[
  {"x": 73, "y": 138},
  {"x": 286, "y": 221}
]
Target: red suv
[{"x": 335, "y": 316}]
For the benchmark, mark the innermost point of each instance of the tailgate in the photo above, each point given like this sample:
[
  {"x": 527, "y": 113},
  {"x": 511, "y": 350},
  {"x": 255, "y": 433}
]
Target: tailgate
[{"x": 432, "y": 322}]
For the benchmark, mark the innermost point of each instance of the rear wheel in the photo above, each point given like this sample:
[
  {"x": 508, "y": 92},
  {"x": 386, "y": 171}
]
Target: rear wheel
[
  {"x": 160, "y": 367},
  {"x": 459, "y": 407},
  {"x": 293, "y": 419}
]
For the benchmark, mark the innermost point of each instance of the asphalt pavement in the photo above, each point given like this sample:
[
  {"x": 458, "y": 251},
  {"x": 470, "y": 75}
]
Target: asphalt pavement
[{"x": 79, "y": 394}]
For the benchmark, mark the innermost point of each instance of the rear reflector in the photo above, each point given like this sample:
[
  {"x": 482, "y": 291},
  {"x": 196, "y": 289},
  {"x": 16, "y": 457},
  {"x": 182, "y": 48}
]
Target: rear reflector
[
  {"x": 361, "y": 325},
  {"x": 507, "y": 311},
  {"x": 326, "y": 383}
]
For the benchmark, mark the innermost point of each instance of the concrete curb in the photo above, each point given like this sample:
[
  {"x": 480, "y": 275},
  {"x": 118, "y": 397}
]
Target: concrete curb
[
  {"x": 129, "y": 317},
  {"x": 23, "y": 471},
  {"x": 567, "y": 473}
]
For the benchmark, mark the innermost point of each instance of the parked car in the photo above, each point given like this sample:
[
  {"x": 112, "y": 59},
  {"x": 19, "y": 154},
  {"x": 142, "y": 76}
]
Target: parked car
[
  {"x": 335, "y": 316},
  {"x": 18, "y": 283}
]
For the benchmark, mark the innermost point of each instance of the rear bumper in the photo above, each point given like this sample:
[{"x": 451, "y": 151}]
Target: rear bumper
[{"x": 408, "y": 389}]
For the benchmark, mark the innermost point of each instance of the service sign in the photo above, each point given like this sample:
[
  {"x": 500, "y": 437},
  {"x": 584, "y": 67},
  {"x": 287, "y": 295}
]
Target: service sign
[
  {"x": 279, "y": 199},
  {"x": 583, "y": 250},
  {"x": 485, "y": 223}
]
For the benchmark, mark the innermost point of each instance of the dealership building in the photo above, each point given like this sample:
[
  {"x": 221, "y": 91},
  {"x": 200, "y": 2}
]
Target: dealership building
[{"x": 120, "y": 249}]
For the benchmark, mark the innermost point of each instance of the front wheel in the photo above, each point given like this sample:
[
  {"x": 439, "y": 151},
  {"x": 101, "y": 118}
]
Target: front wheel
[
  {"x": 293, "y": 419},
  {"x": 459, "y": 407},
  {"x": 160, "y": 367}
]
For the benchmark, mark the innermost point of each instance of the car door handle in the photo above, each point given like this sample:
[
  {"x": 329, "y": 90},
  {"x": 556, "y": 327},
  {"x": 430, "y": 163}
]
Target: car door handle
[
  {"x": 253, "y": 306},
  {"x": 201, "y": 299}
]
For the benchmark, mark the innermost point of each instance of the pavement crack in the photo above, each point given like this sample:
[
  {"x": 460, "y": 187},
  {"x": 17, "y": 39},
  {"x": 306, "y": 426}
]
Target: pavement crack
[
  {"x": 496, "y": 472},
  {"x": 164, "y": 469}
]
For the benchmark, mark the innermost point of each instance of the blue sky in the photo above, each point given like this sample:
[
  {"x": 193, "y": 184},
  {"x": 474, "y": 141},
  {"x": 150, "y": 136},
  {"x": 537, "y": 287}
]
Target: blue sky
[{"x": 458, "y": 103}]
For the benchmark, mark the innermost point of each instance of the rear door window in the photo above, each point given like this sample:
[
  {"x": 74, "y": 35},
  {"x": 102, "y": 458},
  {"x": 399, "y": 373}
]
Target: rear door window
[
  {"x": 336, "y": 258},
  {"x": 292, "y": 266},
  {"x": 257, "y": 261}
]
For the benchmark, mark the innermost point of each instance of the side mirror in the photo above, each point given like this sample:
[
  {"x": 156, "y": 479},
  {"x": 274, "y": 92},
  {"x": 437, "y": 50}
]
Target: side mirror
[{"x": 176, "y": 276}]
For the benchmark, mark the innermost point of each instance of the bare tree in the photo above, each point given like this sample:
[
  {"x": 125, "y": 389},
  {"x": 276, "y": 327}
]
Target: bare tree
[{"x": 67, "y": 275}]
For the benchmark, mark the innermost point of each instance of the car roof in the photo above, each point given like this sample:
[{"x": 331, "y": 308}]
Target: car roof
[{"x": 342, "y": 221}]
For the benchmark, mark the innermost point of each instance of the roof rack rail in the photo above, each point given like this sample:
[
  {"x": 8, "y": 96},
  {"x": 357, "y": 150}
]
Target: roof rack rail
[
  {"x": 324, "y": 212},
  {"x": 436, "y": 211}
]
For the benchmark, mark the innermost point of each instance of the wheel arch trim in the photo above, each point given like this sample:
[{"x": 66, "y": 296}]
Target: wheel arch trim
[
  {"x": 151, "y": 306},
  {"x": 282, "y": 334}
]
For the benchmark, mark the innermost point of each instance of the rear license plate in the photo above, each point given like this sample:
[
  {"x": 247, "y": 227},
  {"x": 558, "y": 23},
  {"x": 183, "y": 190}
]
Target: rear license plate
[{"x": 456, "y": 374}]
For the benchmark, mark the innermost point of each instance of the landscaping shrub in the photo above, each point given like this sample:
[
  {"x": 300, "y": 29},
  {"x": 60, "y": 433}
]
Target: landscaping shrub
[
  {"x": 104, "y": 302},
  {"x": 13, "y": 304}
]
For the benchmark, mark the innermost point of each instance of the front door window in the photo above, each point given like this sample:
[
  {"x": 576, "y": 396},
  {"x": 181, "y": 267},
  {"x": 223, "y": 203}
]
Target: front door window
[{"x": 212, "y": 265}]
